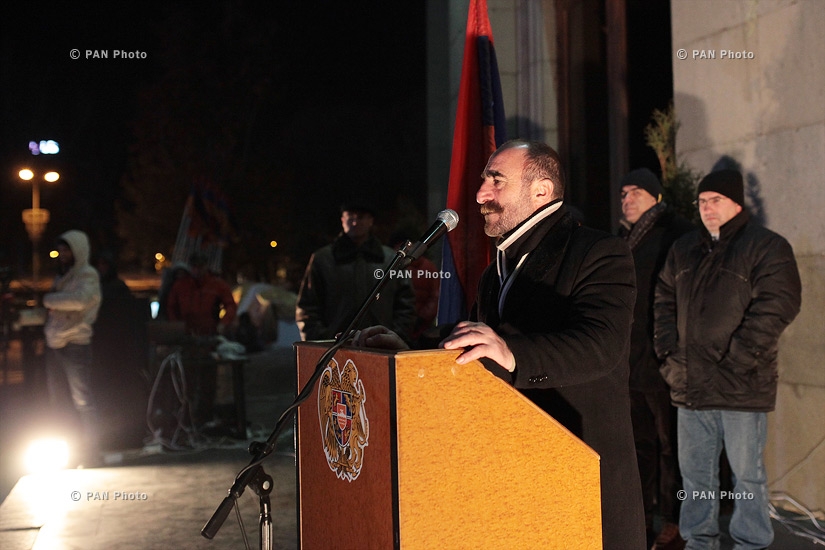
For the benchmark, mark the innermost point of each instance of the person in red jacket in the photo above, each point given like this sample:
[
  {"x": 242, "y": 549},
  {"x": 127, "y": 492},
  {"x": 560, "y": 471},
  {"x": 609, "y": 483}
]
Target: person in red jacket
[{"x": 198, "y": 299}]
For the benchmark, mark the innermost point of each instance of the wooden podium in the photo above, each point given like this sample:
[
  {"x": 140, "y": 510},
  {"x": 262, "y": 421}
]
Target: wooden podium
[{"x": 411, "y": 450}]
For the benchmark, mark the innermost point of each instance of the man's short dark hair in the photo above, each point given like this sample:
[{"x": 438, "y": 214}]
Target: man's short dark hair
[
  {"x": 540, "y": 161},
  {"x": 358, "y": 207}
]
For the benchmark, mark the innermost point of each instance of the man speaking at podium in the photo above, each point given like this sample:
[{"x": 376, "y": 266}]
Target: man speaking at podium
[{"x": 552, "y": 317}]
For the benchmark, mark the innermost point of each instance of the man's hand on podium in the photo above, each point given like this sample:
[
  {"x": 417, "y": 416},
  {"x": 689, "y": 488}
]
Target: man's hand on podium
[
  {"x": 378, "y": 337},
  {"x": 479, "y": 340}
]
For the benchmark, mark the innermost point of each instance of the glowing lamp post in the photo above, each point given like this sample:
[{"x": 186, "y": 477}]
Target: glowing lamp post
[{"x": 36, "y": 218}]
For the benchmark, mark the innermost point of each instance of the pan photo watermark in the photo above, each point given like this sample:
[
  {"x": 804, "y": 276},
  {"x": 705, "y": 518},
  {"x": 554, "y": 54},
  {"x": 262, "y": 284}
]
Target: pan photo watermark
[
  {"x": 123, "y": 496},
  {"x": 714, "y": 495},
  {"x": 711, "y": 55},
  {"x": 411, "y": 274},
  {"x": 107, "y": 54}
]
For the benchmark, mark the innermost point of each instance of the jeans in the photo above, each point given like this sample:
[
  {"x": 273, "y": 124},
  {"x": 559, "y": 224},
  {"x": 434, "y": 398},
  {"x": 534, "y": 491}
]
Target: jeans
[
  {"x": 701, "y": 436},
  {"x": 69, "y": 378}
]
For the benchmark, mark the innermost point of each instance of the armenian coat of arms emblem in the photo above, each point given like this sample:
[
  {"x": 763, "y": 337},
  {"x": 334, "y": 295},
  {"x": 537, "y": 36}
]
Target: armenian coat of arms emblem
[{"x": 345, "y": 430}]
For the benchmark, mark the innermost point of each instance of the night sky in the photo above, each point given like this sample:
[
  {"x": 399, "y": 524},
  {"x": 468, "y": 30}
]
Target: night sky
[{"x": 287, "y": 108}]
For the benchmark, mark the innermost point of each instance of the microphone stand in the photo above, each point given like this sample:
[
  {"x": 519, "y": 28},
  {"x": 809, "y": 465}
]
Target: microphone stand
[{"x": 253, "y": 475}]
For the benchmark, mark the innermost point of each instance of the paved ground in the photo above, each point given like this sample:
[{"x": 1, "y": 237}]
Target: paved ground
[
  {"x": 144, "y": 505},
  {"x": 147, "y": 499}
]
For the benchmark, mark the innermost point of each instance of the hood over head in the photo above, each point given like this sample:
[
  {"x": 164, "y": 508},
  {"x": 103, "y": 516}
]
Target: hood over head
[{"x": 79, "y": 243}]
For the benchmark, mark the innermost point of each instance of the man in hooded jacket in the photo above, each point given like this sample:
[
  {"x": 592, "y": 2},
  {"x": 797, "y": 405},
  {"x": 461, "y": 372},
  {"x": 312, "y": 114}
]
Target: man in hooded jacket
[{"x": 73, "y": 304}]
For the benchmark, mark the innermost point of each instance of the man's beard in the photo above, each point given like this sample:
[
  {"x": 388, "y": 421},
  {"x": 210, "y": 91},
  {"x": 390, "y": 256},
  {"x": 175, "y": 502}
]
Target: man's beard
[
  {"x": 508, "y": 217},
  {"x": 492, "y": 207}
]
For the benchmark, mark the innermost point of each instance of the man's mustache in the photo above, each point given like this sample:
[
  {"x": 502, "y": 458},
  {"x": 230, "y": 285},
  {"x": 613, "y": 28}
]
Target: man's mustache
[{"x": 491, "y": 207}]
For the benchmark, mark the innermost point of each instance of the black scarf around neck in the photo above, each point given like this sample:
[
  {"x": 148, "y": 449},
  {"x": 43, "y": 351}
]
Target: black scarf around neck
[{"x": 645, "y": 223}]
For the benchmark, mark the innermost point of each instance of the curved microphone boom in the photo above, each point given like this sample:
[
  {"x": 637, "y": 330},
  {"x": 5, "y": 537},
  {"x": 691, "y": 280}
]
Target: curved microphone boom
[{"x": 446, "y": 221}]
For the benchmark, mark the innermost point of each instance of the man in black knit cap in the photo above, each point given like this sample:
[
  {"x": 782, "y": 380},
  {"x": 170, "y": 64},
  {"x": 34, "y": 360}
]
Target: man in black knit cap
[
  {"x": 723, "y": 298},
  {"x": 649, "y": 227}
]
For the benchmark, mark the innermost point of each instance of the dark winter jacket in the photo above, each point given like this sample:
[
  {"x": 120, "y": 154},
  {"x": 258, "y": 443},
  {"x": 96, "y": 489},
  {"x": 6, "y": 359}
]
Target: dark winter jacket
[
  {"x": 720, "y": 309},
  {"x": 649, "y": 252},
  {"x": 338, "y": 279}
]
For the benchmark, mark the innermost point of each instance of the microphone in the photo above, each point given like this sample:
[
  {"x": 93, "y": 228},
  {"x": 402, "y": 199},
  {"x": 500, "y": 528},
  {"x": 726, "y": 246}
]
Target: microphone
[{"x": 446, "y": 221}]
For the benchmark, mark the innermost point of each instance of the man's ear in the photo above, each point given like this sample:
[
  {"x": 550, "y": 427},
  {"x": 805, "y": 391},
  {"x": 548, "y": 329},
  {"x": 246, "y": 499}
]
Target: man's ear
[{"x": 543, "y": 190}]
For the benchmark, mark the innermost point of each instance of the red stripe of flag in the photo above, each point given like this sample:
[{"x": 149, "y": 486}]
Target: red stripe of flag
[{"x": 479, "y": 130}]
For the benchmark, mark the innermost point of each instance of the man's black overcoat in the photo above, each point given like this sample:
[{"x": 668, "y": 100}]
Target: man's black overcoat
[{"x": 567, "y": 319}]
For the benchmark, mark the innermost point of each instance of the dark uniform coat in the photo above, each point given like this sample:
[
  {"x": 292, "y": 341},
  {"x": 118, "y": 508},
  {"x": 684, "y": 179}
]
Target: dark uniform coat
[{"x": 338, "y": 279}]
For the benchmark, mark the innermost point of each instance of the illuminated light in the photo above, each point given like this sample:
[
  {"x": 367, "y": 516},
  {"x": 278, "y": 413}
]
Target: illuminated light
[
  {"x": 54, "y": 254},
  {"x": 25, "y": 174},
  {"x": 273, "y": 244},
  {"x": 159, "y": 257},
  {"x": 51, "y": 177},
  {"x": 44, "y": 455},
  {"x": 49, "y": 147},
  {"x": 45, "y": 147}
]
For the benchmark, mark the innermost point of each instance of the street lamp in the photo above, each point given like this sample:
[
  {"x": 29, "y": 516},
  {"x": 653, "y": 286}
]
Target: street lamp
[{"x": 36, "y": 218}]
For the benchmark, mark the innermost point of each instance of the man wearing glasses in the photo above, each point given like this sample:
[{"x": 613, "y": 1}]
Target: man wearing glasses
[{"x": 723, "y": 298}]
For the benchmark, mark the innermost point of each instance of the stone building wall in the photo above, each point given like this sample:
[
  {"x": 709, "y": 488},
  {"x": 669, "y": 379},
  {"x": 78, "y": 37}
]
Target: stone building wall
[{"x": 750, "y": 92}]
